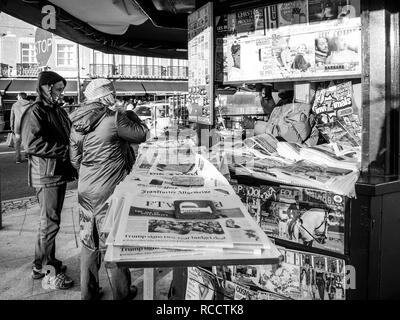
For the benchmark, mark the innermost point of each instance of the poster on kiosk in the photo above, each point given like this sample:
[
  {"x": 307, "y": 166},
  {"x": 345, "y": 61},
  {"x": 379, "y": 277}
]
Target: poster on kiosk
[{"x": 201, "y": 59}]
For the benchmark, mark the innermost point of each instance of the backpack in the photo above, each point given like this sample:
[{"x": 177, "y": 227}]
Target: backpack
[{"x": 292, "y": 122}]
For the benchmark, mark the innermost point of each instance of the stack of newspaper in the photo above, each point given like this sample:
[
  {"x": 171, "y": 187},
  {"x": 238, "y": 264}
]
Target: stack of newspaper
[
  {"x": 176, "y": 204},
  {"x": 331, "y": 167}
]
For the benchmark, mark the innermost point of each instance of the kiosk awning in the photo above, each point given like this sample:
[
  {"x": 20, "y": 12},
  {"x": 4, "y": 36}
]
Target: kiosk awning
[
  {"x": 29, "y": 86},
  {"x": 150, "y": 87}
]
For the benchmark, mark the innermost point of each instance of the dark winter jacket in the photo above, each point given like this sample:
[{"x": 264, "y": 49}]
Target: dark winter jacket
[
  {"x": 45, "y": 133},
  {"x": 100, "y": 149}
]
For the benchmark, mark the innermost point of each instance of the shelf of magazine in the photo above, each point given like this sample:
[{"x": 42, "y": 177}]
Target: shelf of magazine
[
  {"x": 298, "y": 276},
  {"x": 297, "y": 217}
]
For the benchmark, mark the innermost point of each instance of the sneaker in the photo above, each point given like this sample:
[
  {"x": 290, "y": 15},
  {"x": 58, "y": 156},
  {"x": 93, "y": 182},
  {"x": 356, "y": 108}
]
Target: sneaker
[
  {"x": 132, "y": 292},
  {"x": 61, "y": 281},
  {"x": 17, "y": 162},
  {"x": 37, "y": 274}
]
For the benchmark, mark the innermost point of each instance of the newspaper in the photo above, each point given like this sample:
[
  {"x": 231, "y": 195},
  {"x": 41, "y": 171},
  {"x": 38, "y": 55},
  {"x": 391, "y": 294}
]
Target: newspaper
[
  {"x": 148, "y": 219},
  {"x": 309, "y": 175}
]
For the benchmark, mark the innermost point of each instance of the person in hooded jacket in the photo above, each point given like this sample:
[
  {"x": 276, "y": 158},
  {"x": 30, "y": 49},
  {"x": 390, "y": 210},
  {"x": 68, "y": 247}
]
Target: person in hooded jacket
[
  {"x": 100, "y": 149},
  {"x": 17, "y": 110},
  {"x": 45, "y": 129}
]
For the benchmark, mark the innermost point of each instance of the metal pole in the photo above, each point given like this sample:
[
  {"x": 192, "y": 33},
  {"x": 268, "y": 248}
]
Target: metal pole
[
  {"x": 1, "y": 225},
  {"x": 79, "y": 75}
]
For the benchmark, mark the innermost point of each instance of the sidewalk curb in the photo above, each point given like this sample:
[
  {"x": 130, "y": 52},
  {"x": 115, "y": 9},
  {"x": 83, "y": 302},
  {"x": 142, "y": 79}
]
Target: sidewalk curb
[
  {"x": 8, "y": 206},
  {"x": 17, "y": 204}
]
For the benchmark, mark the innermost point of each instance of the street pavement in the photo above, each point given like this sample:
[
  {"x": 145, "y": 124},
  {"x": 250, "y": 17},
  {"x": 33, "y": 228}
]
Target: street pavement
[
  {"x": 17, "y": 239},
  {"x": 20, "y": 218}
]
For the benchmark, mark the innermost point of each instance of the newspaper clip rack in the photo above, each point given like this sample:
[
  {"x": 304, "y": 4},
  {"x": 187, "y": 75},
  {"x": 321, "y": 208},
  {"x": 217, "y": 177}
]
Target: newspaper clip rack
[{"x": 194, "y": 209}]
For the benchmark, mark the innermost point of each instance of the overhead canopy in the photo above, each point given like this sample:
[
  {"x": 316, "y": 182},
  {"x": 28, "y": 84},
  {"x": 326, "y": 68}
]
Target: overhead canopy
[
  {"x": 155, "y": 28},
  {"x": 4, "y": 84},
  {"x": 29, "y": 86}
]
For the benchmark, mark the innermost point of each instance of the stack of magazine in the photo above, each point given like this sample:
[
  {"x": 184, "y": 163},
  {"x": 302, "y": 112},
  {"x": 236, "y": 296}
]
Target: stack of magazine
[{"x": 175, "y": 205}]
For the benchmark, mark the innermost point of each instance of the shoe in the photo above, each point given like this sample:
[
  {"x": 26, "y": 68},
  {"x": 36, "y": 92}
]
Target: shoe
[
  {"x": 132, "y": 292},
  {"x": 17, "y": 162},
  {"x": 61, "y": 281},
  {"x": 99, "y": 295},
  {"x": 37, "y": 274}
]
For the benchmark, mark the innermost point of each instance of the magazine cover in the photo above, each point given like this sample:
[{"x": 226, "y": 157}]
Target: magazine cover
[
  {"x": 272, "y": 16},
  {"x": 200, "y": 65},
  {"x": 241, "y": 191},
  {"x": 337, "y": 116},
  {"x": 320, "y": 10},
  {"x": 293, "y": 12},
  {"x": 243, "y": 293},
  {"x": 338, "y": 50},
  {"x": 201, "y": 285},
  {"x": 307, "y": 225},
  {"x": 299, "y": 276},
  {"x": 274, "y": 56},
  {"x": 220, "y": 60},
  {"x": 307, "y": 216},
  {"x": 221, "y": 25}
]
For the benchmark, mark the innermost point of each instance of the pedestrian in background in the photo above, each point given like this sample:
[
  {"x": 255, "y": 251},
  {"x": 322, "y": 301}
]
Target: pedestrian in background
[
  {"x": 45, "y": 130},
  {"x": 100, "y": 149},
  {"x": 17, "y": 110}
]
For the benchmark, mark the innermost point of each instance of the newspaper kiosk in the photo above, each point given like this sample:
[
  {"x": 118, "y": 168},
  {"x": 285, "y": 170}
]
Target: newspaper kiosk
[{"x": 303, "y": 46}]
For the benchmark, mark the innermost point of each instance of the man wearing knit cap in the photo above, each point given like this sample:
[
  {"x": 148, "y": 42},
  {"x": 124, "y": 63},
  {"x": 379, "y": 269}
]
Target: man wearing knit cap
[{"x": 45, "y": 129}]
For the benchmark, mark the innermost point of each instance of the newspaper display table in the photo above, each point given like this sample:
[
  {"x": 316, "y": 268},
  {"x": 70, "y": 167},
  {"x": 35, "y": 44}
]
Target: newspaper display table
[{"x": 158, "y": 216}]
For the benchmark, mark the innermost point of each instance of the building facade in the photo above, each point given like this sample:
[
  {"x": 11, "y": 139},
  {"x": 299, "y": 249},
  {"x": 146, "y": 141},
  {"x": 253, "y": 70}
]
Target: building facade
[{"x": 132, "y": 75}]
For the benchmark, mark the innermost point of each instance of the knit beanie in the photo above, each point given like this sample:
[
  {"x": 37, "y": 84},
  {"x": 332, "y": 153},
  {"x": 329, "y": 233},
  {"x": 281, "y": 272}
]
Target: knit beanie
[
  {"x": 98, "y": 88},
  {"x": 50, "y": 77}
]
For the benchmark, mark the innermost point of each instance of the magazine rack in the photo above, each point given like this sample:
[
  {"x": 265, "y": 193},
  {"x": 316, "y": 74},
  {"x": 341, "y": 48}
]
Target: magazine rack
[
  {"x": 272, "y": 256},
  {"x": 373, "y": 224}
]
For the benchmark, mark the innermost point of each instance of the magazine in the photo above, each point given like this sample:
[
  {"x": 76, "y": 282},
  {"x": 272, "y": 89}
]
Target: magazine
[
  {"x": 286, "y": 213},
  {"x": 294, "y": 50},
  {"x": 292, "y": 12},
  {"x": 320, "y": 10},
  {"x": 201, "y": 284},
  {"x": 298, "y": 276},
  {"x": 338, "y": 118},
  {"x": 243, "y": 293}
]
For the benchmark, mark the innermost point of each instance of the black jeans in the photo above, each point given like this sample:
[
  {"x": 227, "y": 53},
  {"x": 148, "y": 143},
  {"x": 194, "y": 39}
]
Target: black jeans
[{"x": 51, "y": 201}]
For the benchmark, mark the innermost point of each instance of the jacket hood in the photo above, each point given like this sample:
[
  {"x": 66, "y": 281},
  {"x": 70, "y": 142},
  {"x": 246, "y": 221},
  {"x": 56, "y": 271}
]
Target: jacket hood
[
  {"x": 22, "y": 103},
  {"x": 86, "y": 118}
]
